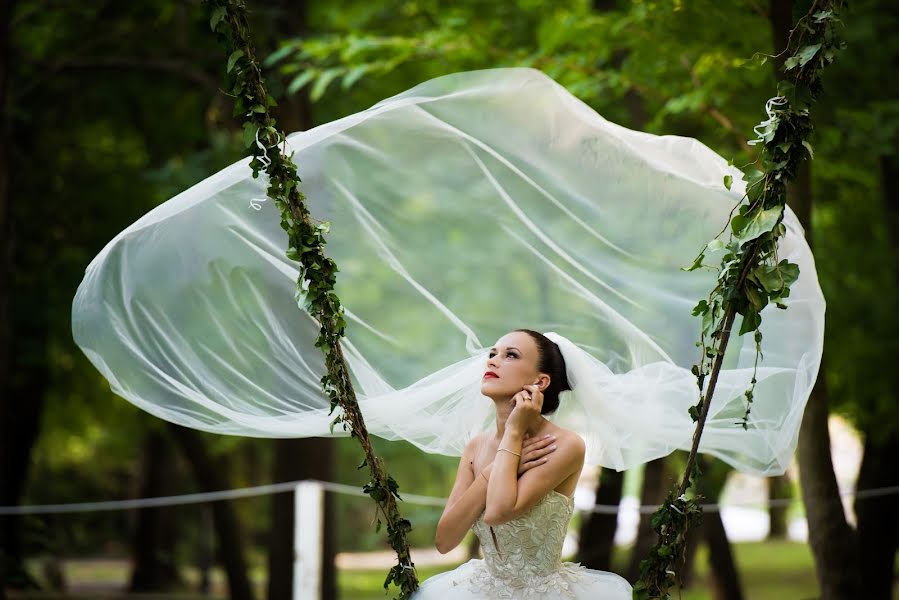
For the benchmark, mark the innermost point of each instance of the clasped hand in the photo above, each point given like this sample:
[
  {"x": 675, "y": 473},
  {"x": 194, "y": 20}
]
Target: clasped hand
[
  {"x": 533, "y": 454},
  {"x": 526, "y": 406}
]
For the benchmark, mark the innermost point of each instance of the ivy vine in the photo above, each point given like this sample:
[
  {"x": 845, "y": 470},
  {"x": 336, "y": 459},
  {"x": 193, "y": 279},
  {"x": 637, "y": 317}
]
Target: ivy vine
[
  {"x": 315, "y": 285},
  {"x": 750, "y": 275}
]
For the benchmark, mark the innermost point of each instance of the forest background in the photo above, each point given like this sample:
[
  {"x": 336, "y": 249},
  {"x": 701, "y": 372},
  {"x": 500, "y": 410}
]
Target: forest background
[{"x": 110, "y": 108}]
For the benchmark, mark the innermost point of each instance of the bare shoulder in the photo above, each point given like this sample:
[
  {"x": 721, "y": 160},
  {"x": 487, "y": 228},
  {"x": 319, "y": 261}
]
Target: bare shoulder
[
  {"x": 474, "y": 445},
  {"x": 476, "y": 441},
  {"x": 571, "y": 443}
]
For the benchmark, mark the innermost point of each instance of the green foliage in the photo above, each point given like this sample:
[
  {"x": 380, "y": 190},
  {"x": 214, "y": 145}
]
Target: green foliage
[
  {"x": 315, "y": 286},
  {"x": 660, "y": 572}
]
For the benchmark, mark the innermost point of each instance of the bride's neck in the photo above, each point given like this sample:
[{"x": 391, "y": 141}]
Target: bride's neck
[{"x": 503, "y": 410}]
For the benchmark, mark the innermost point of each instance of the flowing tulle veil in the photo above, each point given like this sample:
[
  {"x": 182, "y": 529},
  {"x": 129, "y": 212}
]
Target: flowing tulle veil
[{"x": 467, "y": 206}]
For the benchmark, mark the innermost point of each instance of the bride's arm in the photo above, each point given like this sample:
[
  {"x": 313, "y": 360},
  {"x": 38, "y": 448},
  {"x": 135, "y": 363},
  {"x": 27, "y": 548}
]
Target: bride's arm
[
  {"x": 464, "y": 505},
  {"x": 508, "y": 496}
]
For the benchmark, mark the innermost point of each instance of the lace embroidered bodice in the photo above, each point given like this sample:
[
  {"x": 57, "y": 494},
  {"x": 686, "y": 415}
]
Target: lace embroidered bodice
[
  {"x": 525, "y": 553},
  {"x": 523, "y": 561}
]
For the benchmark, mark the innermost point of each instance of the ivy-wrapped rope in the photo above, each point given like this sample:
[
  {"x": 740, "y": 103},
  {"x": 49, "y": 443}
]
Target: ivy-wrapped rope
[
  {"x": 750, "y": 274},
  {"x": 228, "y": 19}
]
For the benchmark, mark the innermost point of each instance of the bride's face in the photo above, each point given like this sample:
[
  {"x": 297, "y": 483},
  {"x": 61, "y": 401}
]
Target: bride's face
[{"x": 514, "y": 362}]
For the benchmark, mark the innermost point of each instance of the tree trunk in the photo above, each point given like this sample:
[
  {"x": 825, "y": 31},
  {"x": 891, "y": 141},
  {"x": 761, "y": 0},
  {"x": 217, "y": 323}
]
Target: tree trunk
[
  {"x": 878, "y": 517},
  {"x": 655, "y": 487},
  {"x": 298, "y": 459},
  {"x": 830, "y": 536},
  {"x": 835, "y": 561},
  {"x": 688, "y": 571},
  {"x": 153, "y": 547},
  {"x": 21, "y": 380},
  {"x": 210, "y": 477},
  {"x": 23, "y": 404},
  {"x": 779, "y": 488},
  {"x": 597, "y": 535},
  {"x": 724, "y": 578},
  {"x": 7, "y": 525}
]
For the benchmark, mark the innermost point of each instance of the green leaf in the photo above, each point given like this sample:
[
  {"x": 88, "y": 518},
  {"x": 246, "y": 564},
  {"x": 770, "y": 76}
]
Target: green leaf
[
  {"x": 353, "y": 75},
  {"x": 300, "y": 80},
  {"x": 751, "y": 322},
  {"x": 235, "y": 56},
  {"x": 807, "y": 53},
  {"x": 217, "y": 16},
  {"x": 809, "y": 148},
  {"x": 775, "y": 278},
  {"x": 323, "y": 81},
  {"x": 249, "y": 134},
  {"x": 715, "y": 245},
  {"x": 755, "y": 298},
  {"x": 701, "y": 308},
  {"x": 708, "y": 318},
  {"x": 753, "y": 224},
  {"x": 278, "y": 54},
  {"x": 728, "y": 179},
  {"x": 696, "y": 264}
]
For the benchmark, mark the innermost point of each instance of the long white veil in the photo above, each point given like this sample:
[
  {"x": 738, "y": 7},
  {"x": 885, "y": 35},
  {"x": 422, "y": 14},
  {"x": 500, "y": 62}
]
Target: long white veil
[{"x": 467, "y": 206}]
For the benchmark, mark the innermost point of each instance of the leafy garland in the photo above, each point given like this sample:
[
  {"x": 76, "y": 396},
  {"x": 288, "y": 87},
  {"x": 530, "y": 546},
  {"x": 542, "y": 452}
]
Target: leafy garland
[
  {"x": 750, "y": 274},
  {"x": 228, "y": 19}
]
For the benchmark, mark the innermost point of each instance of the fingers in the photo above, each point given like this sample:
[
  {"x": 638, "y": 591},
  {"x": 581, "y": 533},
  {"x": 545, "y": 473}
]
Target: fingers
[
  {"x": 534, "y": 443},
  {"x": 538, "y": 452},
  {"x": 535, "y": 453},
  {"x": 523, "y": 467}
]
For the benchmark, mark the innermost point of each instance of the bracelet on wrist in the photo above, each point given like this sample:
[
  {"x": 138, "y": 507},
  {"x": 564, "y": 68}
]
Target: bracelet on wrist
[{"x": 509, "y": 451}]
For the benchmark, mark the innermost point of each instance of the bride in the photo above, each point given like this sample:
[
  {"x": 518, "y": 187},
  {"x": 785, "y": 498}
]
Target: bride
[{"x": 518, "y": 483}]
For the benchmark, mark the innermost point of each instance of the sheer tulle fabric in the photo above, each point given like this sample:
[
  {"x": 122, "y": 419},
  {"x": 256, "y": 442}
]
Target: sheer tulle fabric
[{"x": 467, "y": 206}]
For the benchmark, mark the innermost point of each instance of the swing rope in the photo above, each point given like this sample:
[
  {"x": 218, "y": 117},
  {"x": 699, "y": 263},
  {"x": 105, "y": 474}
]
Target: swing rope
[
  {"x": 315, "y": 285},
  {"x": 750, "y": 274}
]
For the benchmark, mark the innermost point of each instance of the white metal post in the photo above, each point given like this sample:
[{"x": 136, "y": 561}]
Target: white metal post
[{"x": 308, "y": 535}]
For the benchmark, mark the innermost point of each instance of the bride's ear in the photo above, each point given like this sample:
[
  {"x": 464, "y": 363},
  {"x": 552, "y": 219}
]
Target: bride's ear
[{"x": 542, "y": 381}]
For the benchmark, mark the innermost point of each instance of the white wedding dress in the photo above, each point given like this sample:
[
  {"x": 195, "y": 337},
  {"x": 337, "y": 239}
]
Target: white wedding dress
[{"x": 522, "y": 561}]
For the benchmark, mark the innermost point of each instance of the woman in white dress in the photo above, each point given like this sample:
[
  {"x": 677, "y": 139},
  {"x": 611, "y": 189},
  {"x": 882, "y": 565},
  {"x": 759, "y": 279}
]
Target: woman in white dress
[{"x": 515, "y": 487}]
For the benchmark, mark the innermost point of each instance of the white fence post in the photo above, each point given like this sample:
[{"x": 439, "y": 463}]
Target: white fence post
[{"x": 308, "y": 535}]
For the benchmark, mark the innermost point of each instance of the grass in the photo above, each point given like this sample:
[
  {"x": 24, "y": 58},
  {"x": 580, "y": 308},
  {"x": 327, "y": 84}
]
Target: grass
[{"x": 770, "y": 570}]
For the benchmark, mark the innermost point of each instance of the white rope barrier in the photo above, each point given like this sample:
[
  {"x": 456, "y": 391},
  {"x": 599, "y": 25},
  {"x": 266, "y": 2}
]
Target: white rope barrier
[{"x": 340, "y": 488}]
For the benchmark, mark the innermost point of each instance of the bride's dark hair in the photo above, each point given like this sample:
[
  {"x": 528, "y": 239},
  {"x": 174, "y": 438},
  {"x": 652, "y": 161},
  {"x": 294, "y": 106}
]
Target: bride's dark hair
[{"x": 551, "y": 362}]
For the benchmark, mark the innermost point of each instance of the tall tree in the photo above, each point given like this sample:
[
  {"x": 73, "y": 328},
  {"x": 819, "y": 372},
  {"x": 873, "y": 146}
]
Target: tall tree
[
  {"x": 211, "y": 477},
  {"x": 877, "y": 517},
  {"x": 725, "y": 580},
  {"x": 657, "y": 478},
  {"x": 835, "y": 560},
  {"x": 8, "y": 549},
  {"x": 779, "y": 489},
  {"x": 597, "y": 535},
  {"x": 153, "y": 547}
]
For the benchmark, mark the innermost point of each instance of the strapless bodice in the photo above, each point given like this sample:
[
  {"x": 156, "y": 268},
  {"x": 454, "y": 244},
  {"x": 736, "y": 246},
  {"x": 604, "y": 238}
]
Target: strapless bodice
[
  {"x": 527, "y": 550},
  {"x": 522, "y": 561}
]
